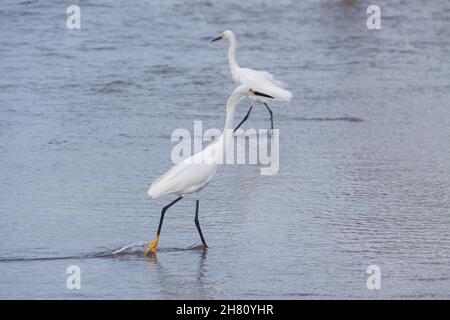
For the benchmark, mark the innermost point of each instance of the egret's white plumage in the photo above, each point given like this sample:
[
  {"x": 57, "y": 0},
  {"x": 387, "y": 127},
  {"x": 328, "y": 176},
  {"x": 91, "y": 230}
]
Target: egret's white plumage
[
  {"x": 263, "y": 80},
  {"x": 189, "y": 176},
  {"x": 194, "y": 173}
]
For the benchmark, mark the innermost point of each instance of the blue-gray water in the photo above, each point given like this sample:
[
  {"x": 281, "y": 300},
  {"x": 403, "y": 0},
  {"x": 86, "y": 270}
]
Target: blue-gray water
[{"x": 85, "y": 121}]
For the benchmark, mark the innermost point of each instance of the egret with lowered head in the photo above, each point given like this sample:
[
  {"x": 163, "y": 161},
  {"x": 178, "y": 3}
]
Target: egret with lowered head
[
  {"x": 194, "y": 173},
  {"x": 262, "y": 79}
]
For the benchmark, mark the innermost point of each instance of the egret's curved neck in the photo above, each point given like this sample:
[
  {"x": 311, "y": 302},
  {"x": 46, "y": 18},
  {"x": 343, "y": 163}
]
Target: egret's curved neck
[
  {"x": 232, "y": 56},
  {"x": 232, "y": 102},
  {"x": 228, "y": 134}
]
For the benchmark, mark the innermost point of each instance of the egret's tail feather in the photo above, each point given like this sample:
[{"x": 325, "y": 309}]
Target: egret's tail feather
[
  {"x": 163, "y": 185},
  {"x": 278, "y": 93},
  {"x": 156, "y": 191},
  {"x": 284, "y": 95}
]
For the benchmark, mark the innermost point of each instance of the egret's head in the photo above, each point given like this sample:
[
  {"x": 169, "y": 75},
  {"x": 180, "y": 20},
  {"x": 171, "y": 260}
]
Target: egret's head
[
  {"x": 254, "y": 92},
  {"x": 243, "y": 91},
  {"x": 226, "y": 35},
  {"x": 249, "y": 90}
]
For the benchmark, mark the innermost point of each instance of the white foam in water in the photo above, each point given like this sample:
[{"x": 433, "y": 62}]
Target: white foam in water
[{"x": 134, "y": 247}]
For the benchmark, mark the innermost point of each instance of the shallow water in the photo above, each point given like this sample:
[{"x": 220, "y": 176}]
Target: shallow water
[{"x": 85, "y": 121}]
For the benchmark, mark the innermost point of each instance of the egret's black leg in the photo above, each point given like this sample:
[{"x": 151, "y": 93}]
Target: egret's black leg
[
  {"x": 271, "y": 115},
  {"x": 163, "y": 212},
  {"x": 152, "y": 246},
  {"x": 245, "y": 118},
  {"x": 197, "y": 224}
]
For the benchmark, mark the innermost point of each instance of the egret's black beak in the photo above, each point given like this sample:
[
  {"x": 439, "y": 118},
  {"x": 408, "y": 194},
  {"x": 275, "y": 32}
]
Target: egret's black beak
[
  {"x": 218, "y": 38},
  {"x": 256, "y": 93}
]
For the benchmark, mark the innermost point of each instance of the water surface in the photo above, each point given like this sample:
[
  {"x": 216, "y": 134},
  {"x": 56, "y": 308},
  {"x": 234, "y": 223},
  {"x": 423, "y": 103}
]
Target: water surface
[{"x": 85, "y": 121}]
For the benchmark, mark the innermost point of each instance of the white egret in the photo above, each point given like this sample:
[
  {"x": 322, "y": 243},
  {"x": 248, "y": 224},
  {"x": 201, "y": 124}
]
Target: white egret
[
  {"x": 262, "y": 79},
  {"x": 194, "y": 173}
]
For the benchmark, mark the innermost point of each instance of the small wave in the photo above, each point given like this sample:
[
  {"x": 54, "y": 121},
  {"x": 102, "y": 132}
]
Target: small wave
[
  {"x": 163, "y": 69},
  {"x": 114, "y": 86},
  {"x": 348, "y": 119},
  {"x": 100, "y": 48},
  {"x": 18, "y": 259},
  {"x": 136, "y": 248}
]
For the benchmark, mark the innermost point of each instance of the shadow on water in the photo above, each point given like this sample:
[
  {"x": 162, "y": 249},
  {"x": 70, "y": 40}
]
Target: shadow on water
[{"x": 134, "y": 249}]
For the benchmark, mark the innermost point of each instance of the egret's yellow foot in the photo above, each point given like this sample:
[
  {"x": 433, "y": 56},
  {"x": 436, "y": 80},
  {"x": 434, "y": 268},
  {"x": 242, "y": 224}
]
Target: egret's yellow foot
[{"x": 152, "y": 246}]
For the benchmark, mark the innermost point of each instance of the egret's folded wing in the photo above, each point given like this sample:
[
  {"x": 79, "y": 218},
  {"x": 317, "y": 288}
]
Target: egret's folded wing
[
  {"x": 189, "y": 173},
  {"x": 255, "y": 76},
  {"x": 159, "y": 186},
  {"x": 265, "y": 82}
]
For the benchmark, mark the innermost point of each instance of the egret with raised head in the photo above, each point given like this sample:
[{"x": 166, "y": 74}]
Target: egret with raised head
[{"x": 262, "y": 79}]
